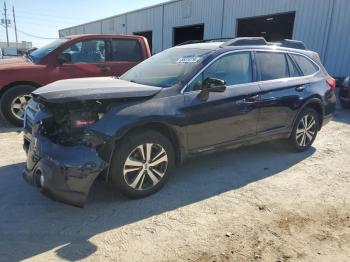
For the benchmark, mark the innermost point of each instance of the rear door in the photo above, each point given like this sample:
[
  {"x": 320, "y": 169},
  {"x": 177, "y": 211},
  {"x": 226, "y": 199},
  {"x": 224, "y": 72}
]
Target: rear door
[
  {"x": 122, "y": 55},
  {"x": 281, "y": 90},
  {"x": 227, "y": 116},
  {"x": 87, "y": 60}
]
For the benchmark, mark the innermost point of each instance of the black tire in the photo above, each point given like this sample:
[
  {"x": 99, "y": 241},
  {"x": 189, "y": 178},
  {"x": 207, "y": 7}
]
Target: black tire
[
  {"x": 125, "y": 148},
  {"x": 295, "y": 141},
  {"x": 7, "y": 99}
]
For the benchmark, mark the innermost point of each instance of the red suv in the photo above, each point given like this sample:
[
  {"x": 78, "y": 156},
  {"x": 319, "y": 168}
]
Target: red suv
[{"x": 70, "y": 57}]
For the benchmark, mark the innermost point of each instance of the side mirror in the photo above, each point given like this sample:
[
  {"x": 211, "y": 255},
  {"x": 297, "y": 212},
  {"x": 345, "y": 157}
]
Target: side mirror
[
  {"x": 346, "y": 82},
  {"x": 64, "y": 58},
  {"x": 212, "y": 85}
]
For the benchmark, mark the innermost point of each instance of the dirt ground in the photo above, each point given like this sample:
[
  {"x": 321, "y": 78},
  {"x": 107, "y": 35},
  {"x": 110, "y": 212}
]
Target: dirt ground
[{"x": 261, "y": 203}]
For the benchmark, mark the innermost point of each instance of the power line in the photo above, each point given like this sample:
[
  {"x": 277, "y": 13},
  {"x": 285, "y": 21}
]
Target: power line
[
  {"x": 34, "y": 36},
  {"x": 42, "y": 14}
]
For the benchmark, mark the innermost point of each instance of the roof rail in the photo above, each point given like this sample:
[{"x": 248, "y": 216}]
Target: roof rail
[
  {"x": 241, "y": 41},
  {"x": 204, "y": 41},
  {"x": 293, "y": 44}
]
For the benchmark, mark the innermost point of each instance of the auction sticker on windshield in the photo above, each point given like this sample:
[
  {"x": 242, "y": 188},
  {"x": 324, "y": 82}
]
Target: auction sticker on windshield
[{"x": 188, "y": 59}]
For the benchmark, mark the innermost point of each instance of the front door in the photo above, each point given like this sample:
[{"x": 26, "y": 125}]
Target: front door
[
  {"x": 87, "y": 59},
  {"x": 227, "y": 116}
]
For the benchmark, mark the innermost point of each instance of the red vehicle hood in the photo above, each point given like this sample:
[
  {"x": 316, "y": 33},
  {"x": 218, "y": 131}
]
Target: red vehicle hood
[{"x": 12, "y": 63}]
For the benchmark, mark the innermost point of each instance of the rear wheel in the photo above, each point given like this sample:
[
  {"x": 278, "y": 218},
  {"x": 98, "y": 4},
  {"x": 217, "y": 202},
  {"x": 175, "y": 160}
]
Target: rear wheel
[
  {"x": 141, "y": 164},
  {"x": 305, "y": 130},
  {"x": 14, "y": 102}
]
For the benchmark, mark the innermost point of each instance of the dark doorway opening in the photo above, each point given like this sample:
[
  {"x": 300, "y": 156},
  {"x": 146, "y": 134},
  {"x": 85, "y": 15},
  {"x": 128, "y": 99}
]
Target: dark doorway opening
[
  {"x": 188, "y": 33},
  {"x": 148, "y": 36},
  {"x": 275, "y": 27}
]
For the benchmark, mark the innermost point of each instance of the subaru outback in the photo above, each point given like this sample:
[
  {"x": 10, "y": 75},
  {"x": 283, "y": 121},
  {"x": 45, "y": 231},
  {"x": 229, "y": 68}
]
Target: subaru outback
[{"x": 188, "y": 100}]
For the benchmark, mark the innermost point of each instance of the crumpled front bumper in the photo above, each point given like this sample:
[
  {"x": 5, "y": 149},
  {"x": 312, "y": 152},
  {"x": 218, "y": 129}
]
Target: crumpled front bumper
[{"x": 64, "y": 173}]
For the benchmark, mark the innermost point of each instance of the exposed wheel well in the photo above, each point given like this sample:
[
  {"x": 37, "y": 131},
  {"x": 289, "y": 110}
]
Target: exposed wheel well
[
  {"x": 165, "y": 130},
  {"x": 9, "y": 86},
  {"x": 318, "y": 108}
]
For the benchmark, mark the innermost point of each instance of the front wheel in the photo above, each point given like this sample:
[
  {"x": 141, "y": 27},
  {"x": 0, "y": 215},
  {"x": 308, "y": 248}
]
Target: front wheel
[
  {"x": 14, "y": 102},
  {"x": 305, "y": 130},
  {"x": 141, "y": 163}
]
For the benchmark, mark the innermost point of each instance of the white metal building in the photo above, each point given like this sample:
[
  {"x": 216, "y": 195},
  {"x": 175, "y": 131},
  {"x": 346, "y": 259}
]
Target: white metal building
[{"x": 323, "y": 25}]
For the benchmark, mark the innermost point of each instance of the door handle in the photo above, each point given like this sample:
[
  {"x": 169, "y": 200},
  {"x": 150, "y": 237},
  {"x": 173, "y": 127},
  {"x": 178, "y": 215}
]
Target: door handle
[
  {"x": 105, "y": 69},
  {"x": 300, "y": 88}
]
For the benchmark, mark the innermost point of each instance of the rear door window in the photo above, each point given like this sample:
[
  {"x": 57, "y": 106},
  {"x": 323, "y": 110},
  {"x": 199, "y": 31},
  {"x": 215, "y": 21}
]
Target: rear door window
[
  {"x": 127, "y": 50},
  {"x": 305, "y": 65},
  {"x": 293, "y": 70},
  {"x": 272, "y": 65}
]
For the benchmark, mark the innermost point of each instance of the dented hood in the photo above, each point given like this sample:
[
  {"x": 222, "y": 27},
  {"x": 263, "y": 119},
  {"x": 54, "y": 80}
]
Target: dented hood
[{"x": 93, "y": 88}]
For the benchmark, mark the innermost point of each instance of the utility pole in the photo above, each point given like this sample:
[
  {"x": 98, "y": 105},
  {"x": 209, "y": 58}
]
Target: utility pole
[
  {"x": 6, "y": 25},
  {"x": 14, "y": 21}
]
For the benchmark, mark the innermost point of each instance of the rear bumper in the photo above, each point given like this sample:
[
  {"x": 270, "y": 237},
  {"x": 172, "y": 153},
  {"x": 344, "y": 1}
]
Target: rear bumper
[{"x": 63, "y": 173}]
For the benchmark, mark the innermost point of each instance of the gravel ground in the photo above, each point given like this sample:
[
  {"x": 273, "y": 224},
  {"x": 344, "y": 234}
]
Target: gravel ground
[{"x": 260, "y": 203}]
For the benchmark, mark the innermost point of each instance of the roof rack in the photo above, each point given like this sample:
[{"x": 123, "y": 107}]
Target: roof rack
[
  {"x": 205, "y": 41},
  {"x": 245, "y": 41},
  {"x": 293, "y": 44},
  {"x": 242, "y": 41}
]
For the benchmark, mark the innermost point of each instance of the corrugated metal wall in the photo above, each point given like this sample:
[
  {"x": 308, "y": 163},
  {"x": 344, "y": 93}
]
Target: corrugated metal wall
[
  {"x": 148, "y": 20},
  {"x": 322, "y": 24},
  {"x": 189, "y": 12},
  {"x": 337, "y": 55}
]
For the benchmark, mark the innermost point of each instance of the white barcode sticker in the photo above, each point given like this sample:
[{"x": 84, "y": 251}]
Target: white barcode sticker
[{"x": 188, "y": 59}]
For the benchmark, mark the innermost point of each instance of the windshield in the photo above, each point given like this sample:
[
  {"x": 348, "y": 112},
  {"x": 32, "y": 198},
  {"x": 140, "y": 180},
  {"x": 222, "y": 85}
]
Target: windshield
[
  {"x": 166, "y": 68},
  {"x": 38, "y": 54}
]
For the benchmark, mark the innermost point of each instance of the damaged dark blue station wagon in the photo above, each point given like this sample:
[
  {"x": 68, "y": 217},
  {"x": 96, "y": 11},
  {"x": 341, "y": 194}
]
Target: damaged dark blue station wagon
[{"x": 188, "y": 100}]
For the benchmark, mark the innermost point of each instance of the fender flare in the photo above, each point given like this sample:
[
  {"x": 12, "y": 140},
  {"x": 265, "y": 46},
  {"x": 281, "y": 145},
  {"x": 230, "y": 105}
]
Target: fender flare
[{"x": 313, "y": 101}]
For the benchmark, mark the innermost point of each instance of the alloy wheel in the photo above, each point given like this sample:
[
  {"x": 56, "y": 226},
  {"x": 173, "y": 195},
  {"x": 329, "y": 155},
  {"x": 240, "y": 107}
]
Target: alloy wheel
[
  {"x": 306, "y": 130},
  {"x": 18, "y": 106},
  {"x": 145, "y": 166}
]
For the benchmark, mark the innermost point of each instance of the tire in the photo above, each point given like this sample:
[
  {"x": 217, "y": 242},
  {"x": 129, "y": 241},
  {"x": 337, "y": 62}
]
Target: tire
[
  {"x": 139, "y": 179},
  {"x": 309, "y": 133},
  {"x": 16, "y": 96}
]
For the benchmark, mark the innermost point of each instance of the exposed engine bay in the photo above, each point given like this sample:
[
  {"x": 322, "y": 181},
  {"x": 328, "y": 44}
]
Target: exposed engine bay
[{"x": 68, "y": 122}]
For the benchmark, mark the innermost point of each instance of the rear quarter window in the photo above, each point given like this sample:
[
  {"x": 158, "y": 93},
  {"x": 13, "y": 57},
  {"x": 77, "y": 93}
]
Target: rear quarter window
[{"x": 305, "y": 65}]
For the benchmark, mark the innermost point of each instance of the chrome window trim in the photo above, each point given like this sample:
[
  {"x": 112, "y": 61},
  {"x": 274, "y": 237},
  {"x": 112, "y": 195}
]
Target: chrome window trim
[{"x": 256, "y": 82}]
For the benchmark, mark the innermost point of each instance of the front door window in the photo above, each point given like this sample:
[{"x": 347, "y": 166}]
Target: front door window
[{"x": 87, "y": 51}]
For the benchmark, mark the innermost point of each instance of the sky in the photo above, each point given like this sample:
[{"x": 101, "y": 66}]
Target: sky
[{"x": 43, "y": 18}]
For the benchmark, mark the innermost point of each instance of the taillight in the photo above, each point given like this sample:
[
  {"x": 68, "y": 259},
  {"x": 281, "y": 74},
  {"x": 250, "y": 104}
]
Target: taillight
[{"x": 331, "y": 82}]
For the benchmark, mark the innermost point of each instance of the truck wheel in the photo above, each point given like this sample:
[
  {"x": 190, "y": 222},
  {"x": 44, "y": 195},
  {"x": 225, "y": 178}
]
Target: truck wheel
[
  {"x": 13, "y": 103},
  {"x": 305, "y": 130},
  {"x": 141, "y": 164}
]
